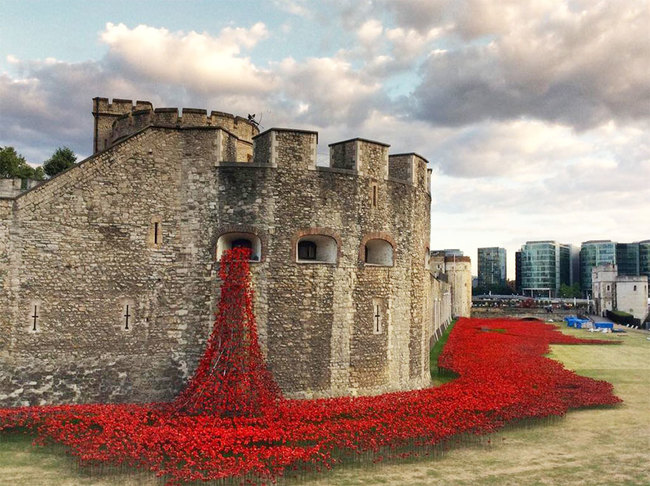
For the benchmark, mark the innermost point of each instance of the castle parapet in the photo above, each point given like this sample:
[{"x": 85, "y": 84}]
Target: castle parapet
[
  {"x": 366, "y": 157},
  {"x": 165, "y": 117},
  {"x": 410, "y": 168},
  {"x": 194, "y": 117},
  {"x": 130, "y": 123},
  {"x": 242, "y": 127},
  {"x": 12, "y": 187},
  {"x": 282, "y": 147},
  {"x": 121, "y": 118},
  {"x": 457, "y": 259},
  {"x": 286, "y": 147},
  {"x": 241, "y": 141}
]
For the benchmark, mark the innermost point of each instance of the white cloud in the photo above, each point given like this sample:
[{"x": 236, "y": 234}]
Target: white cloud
[
  {"x": 334, "y": 91},
  {"x": 198, "y": 61},
  {"x": 409, "y": 43},
  {"x": 370, "y": 32}
]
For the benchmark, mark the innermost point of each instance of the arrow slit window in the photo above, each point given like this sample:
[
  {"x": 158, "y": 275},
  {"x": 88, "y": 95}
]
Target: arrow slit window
[{"x": 378, "y": 316}]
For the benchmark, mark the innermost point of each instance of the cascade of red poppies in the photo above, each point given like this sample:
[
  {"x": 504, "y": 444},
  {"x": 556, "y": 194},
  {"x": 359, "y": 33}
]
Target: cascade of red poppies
[{"x": 232, "y": 378}]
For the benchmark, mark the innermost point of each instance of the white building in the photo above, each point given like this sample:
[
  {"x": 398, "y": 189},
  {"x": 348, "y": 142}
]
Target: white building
[
  {"x": 457, "y": 271},
  {"x": 632, "y": 295},
  {"x": 624, "y": 293}
]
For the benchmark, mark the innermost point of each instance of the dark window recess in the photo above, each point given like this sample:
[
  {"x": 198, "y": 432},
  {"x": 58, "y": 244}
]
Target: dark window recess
[
  {"x": 242, "y": 243},
  {"x": 374, "y": 196},
  {"x": 156, "y": 226},
  {"x": 306, "y": 250},
  {"x": 365, "y": 258}
]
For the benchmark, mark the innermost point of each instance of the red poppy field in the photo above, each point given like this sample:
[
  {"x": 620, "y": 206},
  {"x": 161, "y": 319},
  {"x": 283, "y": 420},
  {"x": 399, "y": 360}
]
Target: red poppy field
[{"x": 232, "y": 422}]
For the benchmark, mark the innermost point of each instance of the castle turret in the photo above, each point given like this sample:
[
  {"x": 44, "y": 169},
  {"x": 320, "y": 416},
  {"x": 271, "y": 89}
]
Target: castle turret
[
  {"x": 106, "y": 113},
  {"x": 120, "y": 119}
]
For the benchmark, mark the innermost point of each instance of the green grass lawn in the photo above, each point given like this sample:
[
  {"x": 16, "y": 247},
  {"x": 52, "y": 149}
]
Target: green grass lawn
[
  {"x": 587, "y": 447},
  {"x": 440, "y": 375}
]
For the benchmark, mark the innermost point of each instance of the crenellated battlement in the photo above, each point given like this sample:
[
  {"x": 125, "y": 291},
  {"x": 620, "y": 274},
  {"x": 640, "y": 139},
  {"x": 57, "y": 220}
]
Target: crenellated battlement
[
  {"x": 241, "y": 141},
  {"x": 410, "y": 167},
  {"x": 119, "y": 106},
  {"x": 131, "y": 122},
  {"x": 121, "y": 118},
  {"x": 282, "y": 146}
]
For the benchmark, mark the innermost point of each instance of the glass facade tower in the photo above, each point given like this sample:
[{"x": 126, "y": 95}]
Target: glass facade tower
[
  {"x": 518, "y": 281},
  {"x": 627, "y": 258},
  {"x": 592, "y": 253},
  {"x": 644, "y": 259},
  {"x": 545, "y": 266},
  {"x": 491, "y": 267}
]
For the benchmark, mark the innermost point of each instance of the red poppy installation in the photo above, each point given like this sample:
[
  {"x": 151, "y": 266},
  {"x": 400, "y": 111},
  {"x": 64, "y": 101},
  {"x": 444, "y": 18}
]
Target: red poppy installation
[
  {"x": 232, "y": 422},
  {"x": 232, "y": 378}
]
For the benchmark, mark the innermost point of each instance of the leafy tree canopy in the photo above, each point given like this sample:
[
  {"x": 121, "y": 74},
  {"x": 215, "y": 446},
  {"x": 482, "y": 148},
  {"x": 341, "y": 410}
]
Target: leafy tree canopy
[
  {"x": 62, "y": 159},
  {"x": 12, "y": 164},
  {"x": 568, "y": 291}
]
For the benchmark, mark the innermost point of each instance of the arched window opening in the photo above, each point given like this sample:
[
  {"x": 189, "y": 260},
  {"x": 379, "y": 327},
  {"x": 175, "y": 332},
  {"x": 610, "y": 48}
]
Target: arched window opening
[
  {"x": 317, "y": 249},
  {"x": 379, "y": 252},
  {"x": 228, "y": 241}
]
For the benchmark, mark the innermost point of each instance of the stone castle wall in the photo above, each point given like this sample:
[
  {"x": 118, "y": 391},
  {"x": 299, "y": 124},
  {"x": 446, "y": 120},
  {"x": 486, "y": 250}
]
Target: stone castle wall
[
  {"x": 79, "y": 251},
  {"x": 438, "y": 306},
  {"x": 459, "y": 272},
  {"x": 139, "y": 225}
]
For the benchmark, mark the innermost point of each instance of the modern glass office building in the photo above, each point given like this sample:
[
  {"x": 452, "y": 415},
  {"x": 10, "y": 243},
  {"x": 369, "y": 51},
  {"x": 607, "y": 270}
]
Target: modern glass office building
[
  {"x": 518, "y": 282},
  {"x": 627, "y": 258},
  {"x": 491, "y": 267},
  {"x": 592, "y": 253},
  {"x": 545, "y": 265},
  {"x": 644, "y": 259}
]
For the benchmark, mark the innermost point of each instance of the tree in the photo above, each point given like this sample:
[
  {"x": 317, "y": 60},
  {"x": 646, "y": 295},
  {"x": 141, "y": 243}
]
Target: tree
[
  {"x": 10, "y": 161},
  {"x": 568, "y": 291},
  {"x": 12, "y": 164},
  {"x": 39, "y": 173},
  {"x": 62, "y": 159},
  {"x": 495, "y": 289}
]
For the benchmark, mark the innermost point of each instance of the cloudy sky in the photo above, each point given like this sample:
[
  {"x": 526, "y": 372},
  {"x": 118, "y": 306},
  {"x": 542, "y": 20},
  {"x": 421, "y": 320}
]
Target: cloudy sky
[{"x": 534, "y": 114}]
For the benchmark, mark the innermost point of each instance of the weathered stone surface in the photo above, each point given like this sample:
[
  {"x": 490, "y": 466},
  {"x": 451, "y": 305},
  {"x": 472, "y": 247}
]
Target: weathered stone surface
[{"x": 79, "y": 249}]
